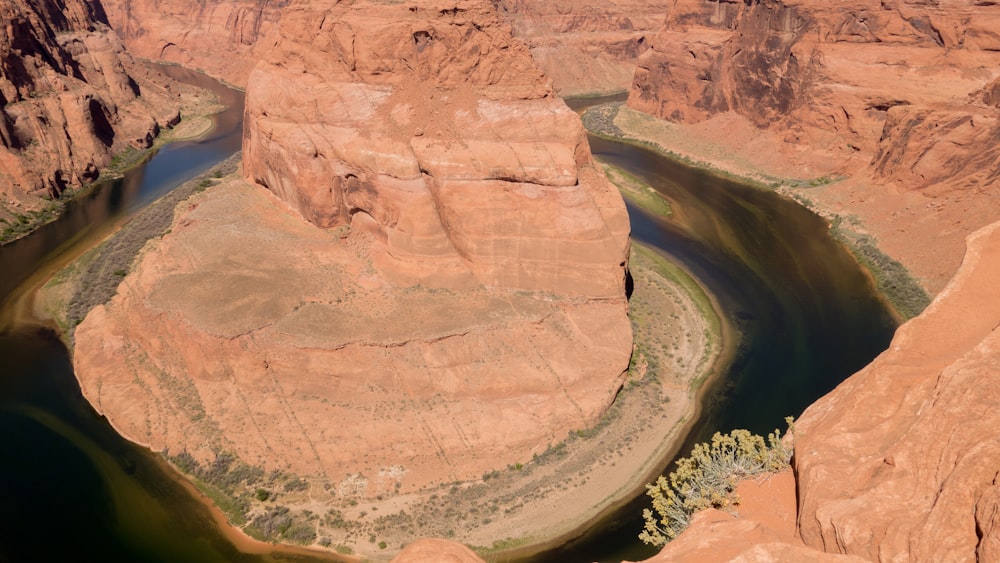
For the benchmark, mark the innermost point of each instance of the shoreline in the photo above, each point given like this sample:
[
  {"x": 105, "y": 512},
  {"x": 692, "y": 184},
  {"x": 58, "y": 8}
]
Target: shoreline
[
  {"x": 661, "y": 435},
  {"x": 904, "y": 294},
  {"x": 199, "y": 124},
  {"x": 658, "y": 459}
]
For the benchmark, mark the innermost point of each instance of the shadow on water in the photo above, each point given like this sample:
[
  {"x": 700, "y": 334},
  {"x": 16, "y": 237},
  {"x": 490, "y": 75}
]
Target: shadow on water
[
  {"x": 76, "y": 491},
  {"x": 73, "y": 489},
  {"x": 808, "y": 315}
]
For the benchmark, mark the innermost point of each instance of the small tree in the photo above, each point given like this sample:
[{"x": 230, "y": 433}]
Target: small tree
[{"x": 708, "y": 478}]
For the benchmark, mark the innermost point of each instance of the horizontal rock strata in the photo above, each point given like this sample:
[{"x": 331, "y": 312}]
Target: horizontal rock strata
[
  {"x": 70, "y": 99},
  {"x": 585, "y": 47},
  {"x": 435, "y": 289},
  {"x": 899, "y": 96},
  {"x": 218, "y": 38}
]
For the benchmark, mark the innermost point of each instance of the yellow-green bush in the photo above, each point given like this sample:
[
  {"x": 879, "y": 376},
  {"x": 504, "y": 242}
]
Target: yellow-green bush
[{"x": 708, "y": 478}]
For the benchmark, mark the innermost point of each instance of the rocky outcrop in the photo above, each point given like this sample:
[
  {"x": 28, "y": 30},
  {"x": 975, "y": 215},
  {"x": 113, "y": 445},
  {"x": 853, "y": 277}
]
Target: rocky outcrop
[
  {"x": 218, "y": 38},
  {"x": 70, "y": 99},
  {"x": 454, "y": 304},
  {"x": 430, "y": 128},
  {"x": 900, "y": 96},
  {"x": 585, "y": 47},
  {"x": 900, "y": 462}
]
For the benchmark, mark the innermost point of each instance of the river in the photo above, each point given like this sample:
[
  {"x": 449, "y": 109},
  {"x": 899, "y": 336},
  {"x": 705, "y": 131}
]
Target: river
[
  {"x": 75, "y": 490},
  {"x": 808, "y": 315}
]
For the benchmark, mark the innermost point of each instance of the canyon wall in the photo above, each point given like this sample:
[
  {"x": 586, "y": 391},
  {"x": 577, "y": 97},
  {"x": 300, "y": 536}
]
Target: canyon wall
[
  {"x": 585, "y": 47},
  {"x": 431, "y": 287},
  {"x": 896, "y": 102},
  {"x": 898, "y": 463},
  {"x": 897, "y": 96},
  {"x": 218, "y": 38},
  {"x": 71, "y": 98}
]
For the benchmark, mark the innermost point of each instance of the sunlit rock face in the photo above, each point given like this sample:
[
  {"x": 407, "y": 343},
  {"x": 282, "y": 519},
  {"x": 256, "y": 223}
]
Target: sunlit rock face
[
  {"x": 421, "y": 280},
  {"x": 435, "y": 131},
  {"x": 900, "y": 97},
  {"x": 70, "y": 99},
  {"x": 218, "y": 38},
  {"x": 585, "y": 47},
  {"x": 899, "y": 462}
]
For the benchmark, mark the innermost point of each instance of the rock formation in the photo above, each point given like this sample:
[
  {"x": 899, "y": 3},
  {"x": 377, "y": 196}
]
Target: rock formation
[
  {"x": 430, "y": 128},
  {"x": 455, "y": 302},
  {"x": 900, "y": 95},
  {"x": 901, "y": 462},
  {"x": 585, "y": 47},
  {"x": 70, "y": 99},
  {"x": 218, "y": 38}
]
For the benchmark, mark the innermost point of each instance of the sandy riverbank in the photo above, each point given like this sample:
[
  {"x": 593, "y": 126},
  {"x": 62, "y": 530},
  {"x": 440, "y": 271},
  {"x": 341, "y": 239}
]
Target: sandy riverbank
[
  {"x": 798, "y": 177},
  {"x": 538, "y": 501}
]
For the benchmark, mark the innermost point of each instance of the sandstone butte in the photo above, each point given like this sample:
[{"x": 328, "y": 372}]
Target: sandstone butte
[
  {"x": 425, "y": 280},
  {"x": 71, "y": 98}
]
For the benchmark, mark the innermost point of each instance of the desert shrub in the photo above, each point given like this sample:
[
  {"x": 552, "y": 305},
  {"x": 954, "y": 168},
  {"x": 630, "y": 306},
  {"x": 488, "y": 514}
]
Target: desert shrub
[
  {"x": 707, "y": 479},
  {"x": 296, "y": 485}
]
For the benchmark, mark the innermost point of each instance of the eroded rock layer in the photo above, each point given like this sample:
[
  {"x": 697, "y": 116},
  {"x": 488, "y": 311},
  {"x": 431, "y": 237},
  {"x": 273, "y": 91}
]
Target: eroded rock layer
[
  {"x": 431, "y": 128},
  {"x": 70, "y": 99},
  {"x": 454, "y": 303},
  {"x": 585, "y": 47},
  {"x": 901, "y": 462},
  {"x": 899, "y": 95},
  {"x": 218, "y": 38}
]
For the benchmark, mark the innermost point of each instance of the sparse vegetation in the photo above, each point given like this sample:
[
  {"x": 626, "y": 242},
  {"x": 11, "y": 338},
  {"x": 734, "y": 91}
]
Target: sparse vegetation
[
  {"x": 97, "y": 274},
  {"x": 708, "y": 478},
  {"x": 892, "y": 279}
]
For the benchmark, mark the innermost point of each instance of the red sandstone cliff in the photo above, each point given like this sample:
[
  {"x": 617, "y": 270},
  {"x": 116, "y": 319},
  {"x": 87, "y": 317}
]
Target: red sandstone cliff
[
  {"x": 454, "y": 304},
  {"x": 70, "y": 99},
  {"x": 585, "y": 47},
  {"x": 899, "y": 95},
  {"x": 216, "y": 37},
  {"x": 431, "y": 128},
  {"x": 901, "y": 462}
]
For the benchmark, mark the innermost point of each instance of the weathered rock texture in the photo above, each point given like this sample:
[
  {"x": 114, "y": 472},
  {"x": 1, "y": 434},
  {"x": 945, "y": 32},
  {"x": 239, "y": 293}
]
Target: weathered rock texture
[
  {"x": 585, "y": 47},
  {"x": 70, "y": 99},
  {"x": 901, "y": 462},
  {"x": 218, "y": 38},
  {"x": 454, "y": 304},
  {"x": 431, "y": 128},
  {"x": 900, "y": 95}
]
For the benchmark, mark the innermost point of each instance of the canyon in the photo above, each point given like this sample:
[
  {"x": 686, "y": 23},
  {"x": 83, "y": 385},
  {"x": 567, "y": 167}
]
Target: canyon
[
  {"x": 421, "y": 247},
  {"x": 896, "y": 99},
  {"x": 892, "y": 107},
  {"x": 71, "y": 99}
]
